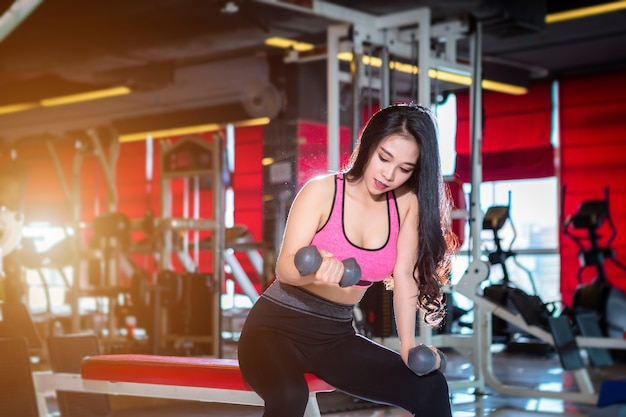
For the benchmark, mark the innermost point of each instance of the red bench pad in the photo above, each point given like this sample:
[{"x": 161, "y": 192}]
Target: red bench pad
[{"x": 175, "y": 370}]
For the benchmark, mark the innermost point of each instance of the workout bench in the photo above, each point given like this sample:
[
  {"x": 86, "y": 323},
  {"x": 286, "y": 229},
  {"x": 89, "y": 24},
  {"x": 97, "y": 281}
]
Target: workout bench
[{"x": 173, "y": 377}]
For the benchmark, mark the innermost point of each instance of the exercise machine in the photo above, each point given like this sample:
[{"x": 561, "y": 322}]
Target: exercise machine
[
  {"x": 15, "y": 317},
  {"x": 598, "y": 296},
  {"x": 505, "y": 292}
]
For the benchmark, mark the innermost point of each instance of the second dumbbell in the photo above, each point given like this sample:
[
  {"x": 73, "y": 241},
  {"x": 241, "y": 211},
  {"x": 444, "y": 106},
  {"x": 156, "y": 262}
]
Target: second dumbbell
[
  {"x": 308, "y": 261},
  {"x": 423, "y": 360}
]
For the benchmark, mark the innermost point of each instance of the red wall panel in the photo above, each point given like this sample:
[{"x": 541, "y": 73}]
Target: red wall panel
[
  {"x": 312, "y": 149},
  {"x": 516, "y": 135},
  {"x": 593, "y": 156}
]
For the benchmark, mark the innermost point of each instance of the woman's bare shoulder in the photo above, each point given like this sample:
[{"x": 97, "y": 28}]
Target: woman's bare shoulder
[
  {"x": 313, "y": 202},
  {"x": 406, "y": 200},
  {"x": 320, "y": 185}
]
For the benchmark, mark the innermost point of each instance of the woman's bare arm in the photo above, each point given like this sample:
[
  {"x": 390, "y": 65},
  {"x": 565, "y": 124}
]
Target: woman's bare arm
[{"x": 309, "y": 210}]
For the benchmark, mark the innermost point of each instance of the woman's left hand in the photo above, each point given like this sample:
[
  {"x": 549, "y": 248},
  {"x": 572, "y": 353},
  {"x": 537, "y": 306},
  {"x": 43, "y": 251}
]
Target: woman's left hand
[{"x": 388, "y": 283}]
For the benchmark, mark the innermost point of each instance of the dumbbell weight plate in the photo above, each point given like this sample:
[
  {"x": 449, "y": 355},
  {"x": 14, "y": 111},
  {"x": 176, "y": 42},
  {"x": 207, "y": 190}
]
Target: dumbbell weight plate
[
  {"x": 422, "y": 360},
  {"x": 351, "y": 273},
  {"x": 307, "y": 260}
]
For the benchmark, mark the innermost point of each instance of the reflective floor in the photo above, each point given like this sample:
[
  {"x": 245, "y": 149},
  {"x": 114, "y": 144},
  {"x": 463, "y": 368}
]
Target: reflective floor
[{"x": 517, "y": 372}]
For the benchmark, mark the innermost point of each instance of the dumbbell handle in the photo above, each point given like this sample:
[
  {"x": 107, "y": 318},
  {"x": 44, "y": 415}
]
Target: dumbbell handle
[
  {"x": 308, "y": 261},
  {"x": 422, "y": 360}
]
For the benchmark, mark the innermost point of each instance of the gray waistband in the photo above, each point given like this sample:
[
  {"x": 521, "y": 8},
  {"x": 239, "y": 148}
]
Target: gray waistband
[{"x": 299, "y": 299}]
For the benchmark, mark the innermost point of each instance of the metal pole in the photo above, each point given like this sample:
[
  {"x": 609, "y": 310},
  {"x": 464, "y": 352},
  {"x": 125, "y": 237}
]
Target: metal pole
[
  {"x": 108, "y": 167},
  {"x": 15, "y": 15},
  {"x": 218, "y": 241},
  {"x": 77, "y": 244},
  {"x": 356, "y": 69},
  {"x": 333, "y": 34},
  {"x": 482, "y": 334},
  {"x": 385, "y": 75},
  {"x": 423, "y": 58},
  {"x": 476, "y": 138}
]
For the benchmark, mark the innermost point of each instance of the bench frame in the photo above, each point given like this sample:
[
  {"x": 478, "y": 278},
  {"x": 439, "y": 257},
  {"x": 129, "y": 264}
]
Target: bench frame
[{"x": 47, "y": 382}]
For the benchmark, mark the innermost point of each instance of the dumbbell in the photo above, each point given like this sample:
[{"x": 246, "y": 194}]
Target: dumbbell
[
  {"x": 422, "y": 360},
  {"x": 308, "y": 261}
]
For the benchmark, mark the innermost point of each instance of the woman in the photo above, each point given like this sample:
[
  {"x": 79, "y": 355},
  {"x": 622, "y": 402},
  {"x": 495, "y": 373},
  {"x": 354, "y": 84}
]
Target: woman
[{"x": 389, "y": 211}]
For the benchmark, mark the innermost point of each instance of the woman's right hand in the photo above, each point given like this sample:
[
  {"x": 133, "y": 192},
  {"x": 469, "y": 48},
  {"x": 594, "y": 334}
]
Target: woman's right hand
[{"x": 330, "y": 270}]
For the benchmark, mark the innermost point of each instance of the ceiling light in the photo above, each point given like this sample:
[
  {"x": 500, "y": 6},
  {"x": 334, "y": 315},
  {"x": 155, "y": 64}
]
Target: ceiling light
[
  {"x": 586, "y": 11},
  {"x": 68, "y": 99},
  {"x": 14, "y": 108},
  {"x": 403, "y": 67},
  {"x": 450, "y": 77},
  {"x": 90, "y": 95},
  {"x": 503, "y": 87},
  {"x": 285, "y": 43},
  {"x": 373, "y": 61},
  {"x": 177, "y": 131},
  {"x": 436, "y": 74},
  {"x": 189, "y": 130}
]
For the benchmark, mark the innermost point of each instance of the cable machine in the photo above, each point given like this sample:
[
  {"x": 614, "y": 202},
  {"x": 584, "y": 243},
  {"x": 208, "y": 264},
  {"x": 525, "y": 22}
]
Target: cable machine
[{"x": 193, "y": 160}]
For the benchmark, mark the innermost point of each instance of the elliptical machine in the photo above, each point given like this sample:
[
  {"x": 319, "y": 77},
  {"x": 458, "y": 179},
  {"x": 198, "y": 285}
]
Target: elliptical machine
[
  {"x": 506, "y": 293},
  {"x": 598, "y": 296}
]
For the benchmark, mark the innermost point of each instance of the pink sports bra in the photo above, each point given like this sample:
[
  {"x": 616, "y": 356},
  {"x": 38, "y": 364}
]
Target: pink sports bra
[{"x": 376, "y": 264}]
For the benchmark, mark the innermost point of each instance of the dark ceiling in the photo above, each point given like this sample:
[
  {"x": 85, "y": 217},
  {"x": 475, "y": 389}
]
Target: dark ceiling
[{"x": 184, "y": 55}]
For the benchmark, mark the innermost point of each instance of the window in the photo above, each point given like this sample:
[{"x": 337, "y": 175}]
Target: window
[
  {"x": 531, "y": 232},
  {"x": 446, "y": 118}
]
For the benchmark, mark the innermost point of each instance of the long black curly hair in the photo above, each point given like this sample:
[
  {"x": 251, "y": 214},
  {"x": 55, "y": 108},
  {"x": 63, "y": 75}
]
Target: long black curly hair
[{"x": 437, "y": 243}]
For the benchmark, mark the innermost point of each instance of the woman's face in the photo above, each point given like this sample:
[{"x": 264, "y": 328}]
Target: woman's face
[{"x": 391, "y": 164}]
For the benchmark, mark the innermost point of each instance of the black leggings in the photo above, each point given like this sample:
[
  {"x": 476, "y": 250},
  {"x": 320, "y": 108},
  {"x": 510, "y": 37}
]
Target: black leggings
[{"x": 279, "y": 344}]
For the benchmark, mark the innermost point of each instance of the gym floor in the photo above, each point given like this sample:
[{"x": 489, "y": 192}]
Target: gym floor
[{"x": 523, "y": 370}]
